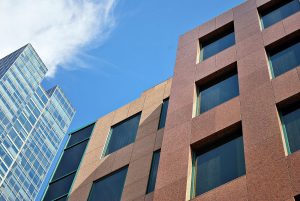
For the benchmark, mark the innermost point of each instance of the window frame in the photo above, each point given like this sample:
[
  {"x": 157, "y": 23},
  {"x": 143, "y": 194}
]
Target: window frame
[
  {"x": 288, "y": 109},
  {"x": 107, "y": 176},
  {"x": 230, "y": 71},
  {"x": 213, "y": 37},
  {"x": 280, "y": 46},
  {"x": 269, "y": 8},
  {"x": 232, "y": 133},
  {"x": 161, "y": 112},
  {"x": 108, "y": 138},
  {"x": 148, "y": 190}
]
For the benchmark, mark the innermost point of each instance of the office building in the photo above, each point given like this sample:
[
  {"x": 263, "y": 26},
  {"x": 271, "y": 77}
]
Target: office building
[
  {"x": 33, "y": 122},
  {"x": 231, "y": 130}
]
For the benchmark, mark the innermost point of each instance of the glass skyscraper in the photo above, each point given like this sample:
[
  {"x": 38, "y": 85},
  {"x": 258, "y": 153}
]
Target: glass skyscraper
[{"x": 33, "y": 122}]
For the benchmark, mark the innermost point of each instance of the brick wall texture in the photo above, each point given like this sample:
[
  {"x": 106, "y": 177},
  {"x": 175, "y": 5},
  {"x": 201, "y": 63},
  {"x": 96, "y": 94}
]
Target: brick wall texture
[{"x": 271, "y": 174}]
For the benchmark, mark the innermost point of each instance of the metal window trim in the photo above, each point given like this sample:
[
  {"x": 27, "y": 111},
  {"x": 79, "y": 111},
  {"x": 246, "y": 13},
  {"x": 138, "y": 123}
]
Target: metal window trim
[
  {"x": 107, "y": 175},
  {"x": 285, "y": 135},
  {"x": 151, "y": 170},
  {"x": 58, "y": 161},
  {"x": 83, "y": 155},
  {"x": 161, "y": 109}
]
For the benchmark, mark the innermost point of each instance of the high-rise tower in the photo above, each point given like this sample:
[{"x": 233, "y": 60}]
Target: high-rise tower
[{"x": 33, "y": 122}]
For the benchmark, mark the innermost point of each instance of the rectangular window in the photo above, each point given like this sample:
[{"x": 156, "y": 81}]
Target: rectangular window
[
  {"x": 153, "y": 171},
  {"x": 284, "y": 57},
  {"x": 217, "y": 92},
  {"x": 70, "y": 160},
  {"x": 218, "y": 164},
  {"x": 59, "y": 188},
  {"x": 122, "y": 134},
  {"x": 297, "y": 197},
  {"x": 110, "y": 187},
  {"x": 217, "y": 41},
  {"x": 291, "y": 127},
  {"x": 280, "y": 10},
  {"x": 163, "y": 114},
  {"x": 81, "y": 135}
]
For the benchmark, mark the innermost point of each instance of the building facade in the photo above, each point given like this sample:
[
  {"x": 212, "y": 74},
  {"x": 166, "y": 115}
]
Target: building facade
[
  {"x": 231, "y": 131},
  {"x": 33, "y": 122}
]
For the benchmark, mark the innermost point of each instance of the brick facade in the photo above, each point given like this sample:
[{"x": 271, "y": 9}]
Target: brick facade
[{"x": 271, "y": 174}]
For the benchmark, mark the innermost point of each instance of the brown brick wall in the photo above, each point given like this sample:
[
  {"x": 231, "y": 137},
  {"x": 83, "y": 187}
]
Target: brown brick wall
[
  {"x": 137, "y": 155},
  {"x": 271, "y": 175}
]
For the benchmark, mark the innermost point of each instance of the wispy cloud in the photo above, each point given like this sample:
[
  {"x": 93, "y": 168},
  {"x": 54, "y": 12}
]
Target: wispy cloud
[{"x": 58, "y": 29}]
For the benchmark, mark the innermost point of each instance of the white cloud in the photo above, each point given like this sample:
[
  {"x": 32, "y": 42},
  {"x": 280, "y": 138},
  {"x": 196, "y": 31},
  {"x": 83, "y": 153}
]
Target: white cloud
[{"x": 58, "y": 29}]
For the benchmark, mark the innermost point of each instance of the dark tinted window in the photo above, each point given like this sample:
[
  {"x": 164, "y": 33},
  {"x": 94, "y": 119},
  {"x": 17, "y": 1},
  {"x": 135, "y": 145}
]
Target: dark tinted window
[
  {"x": 123, "y": 134},
  {"x": 65, "y": 198},
  {"x": 80, "y": 135},
  {"x": 109, "y": 188},
  {"x": 291, "y": 125},
  {"x": 218, "y": 92},
  {"x": 217, "y": 44},
  {"x": 285, "y": 58},
  {"x": 163, "y": 114},
  {"x": 70, "y": 160},
  {"x": 153, "y": 172},
  {"x": 59, "y": 188},
  {"x": 219, "y": 164},
  {"x": 297, "y": 198},
  {"x": 279, "y": 12}
]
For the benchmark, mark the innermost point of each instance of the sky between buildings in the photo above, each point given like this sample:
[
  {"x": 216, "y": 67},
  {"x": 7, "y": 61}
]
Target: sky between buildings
[{"x": 138, "y": 54}]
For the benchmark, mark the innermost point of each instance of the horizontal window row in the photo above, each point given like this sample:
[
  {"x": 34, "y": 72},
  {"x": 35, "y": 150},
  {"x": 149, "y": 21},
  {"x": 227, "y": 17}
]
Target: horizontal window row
[
  {"x": 124, "y": 133},
  {"x": 68, "y": 165},
  {"x": 224, "y": 37},
  {"x": 214, "y": 163},
  {"x": 284, "y": 55},
  {"x": 110, "y": 187}
]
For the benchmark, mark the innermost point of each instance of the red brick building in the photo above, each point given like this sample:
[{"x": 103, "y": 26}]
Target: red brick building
[{"x": 232, "y": 130}]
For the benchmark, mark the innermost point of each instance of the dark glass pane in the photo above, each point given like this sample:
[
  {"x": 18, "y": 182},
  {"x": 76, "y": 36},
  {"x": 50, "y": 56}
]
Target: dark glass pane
[
  {"x": 153, "y": 171},
  {"x": 291, "y": 121},
  {"x": 285, "y": 59},
  {"x": 279, "y": 12},
  {"x": 219, "y": 165},
  {"x": 213, "y": 47},
  {"x": 80, "y": 135},
  {"x": 123, "y": 134},
  {"x": 297, "y": 198},
  {"x": 163, "y": 114},
  {"x": 65, "y": 198},
  {"x": 70, "y": 160},
  {"x": 109, "y": 188},
  {"x": 59, "y": 188},
  {"x": 218, "y": 93}
]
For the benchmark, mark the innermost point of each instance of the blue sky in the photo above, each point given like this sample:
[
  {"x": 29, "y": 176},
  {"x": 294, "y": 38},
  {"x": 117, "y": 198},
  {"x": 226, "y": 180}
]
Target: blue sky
[{"x": 138, "y": 54}]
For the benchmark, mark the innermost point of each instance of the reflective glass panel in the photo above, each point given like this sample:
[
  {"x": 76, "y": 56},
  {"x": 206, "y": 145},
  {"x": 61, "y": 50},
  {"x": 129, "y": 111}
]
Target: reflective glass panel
[
  {"x": 285, "y": 59},
  {"x": 279, "y": 12},
  {"x": 219, "y": 164},
  {"x": 80, "y": 135},
  {"x": 109, "y": 188},
  {"x": 291, "y": 123},
  {"x": 153, "y": 171},
  {"x": 123, "y": 134},
  {"x": 59, "y": 188},
  {"x": 163, "y": 114},
  {"x": 70, "y": 160},
  {"x": 218, "y": 92},
  {"x": 212, "y": 47}
]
